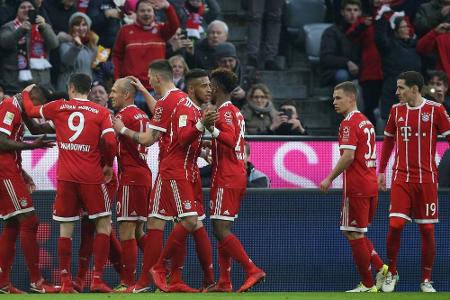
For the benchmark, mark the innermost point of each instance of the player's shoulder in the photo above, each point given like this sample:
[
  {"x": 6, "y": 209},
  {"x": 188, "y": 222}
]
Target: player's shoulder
[
  {"x": 173, "y": 95},
  {"x": 10, "y": 103},
  {"x": 433, "y": 103},
  {"x": 398, "y": 105}
]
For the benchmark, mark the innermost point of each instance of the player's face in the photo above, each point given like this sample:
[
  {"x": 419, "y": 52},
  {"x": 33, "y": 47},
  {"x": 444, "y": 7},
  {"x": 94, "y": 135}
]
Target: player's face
[
  {"x": 145, "y": 14},
  {"x": 202, "y": 89},
  {"x": 342, "y": 102},
  {"x": 116, "y": 96},
  {"x": 403, "y": 92}
]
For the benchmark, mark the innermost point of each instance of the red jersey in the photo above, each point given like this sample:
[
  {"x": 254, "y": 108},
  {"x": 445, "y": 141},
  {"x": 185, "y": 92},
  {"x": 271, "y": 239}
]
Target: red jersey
[
  {"x": 80, "y": 124},
  {"x": 162, "y": 116},
  {"x": 12, "y": 125},
  {"x": 228, "y": 148},
  {"x": 358, "y": 134},
  {"x": 132, "y": 157},
  {"x": 415, "y": 130},
  {"x": 180, "y": 161}
]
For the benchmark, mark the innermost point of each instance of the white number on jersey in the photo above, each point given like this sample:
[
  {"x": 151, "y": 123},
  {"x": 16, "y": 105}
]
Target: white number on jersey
[{"x": 77, "y": 128}]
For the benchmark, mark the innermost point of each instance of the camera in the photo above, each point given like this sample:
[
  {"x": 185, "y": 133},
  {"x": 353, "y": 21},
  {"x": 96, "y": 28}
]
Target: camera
[
  {"x": 32, "y": 13},
  {"x": 183, "y": 33},
  {"x": 286, "y": 112}
]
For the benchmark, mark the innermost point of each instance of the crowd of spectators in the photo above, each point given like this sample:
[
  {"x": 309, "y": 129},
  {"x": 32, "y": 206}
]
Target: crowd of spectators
[{"x": 372, "y": 42}]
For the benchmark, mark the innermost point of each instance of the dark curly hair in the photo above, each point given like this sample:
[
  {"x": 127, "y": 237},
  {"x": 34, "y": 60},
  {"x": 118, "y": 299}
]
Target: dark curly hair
[{"x": 225, "y": 78}]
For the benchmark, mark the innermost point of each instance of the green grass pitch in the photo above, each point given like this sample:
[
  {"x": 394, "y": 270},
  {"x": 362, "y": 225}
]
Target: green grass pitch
[{"x": 220, "y": 296}]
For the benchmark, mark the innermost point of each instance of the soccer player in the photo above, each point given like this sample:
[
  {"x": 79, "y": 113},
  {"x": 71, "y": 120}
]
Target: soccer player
[
  {"x": 160, "y": 77},
  {"x": 16, "y": 205},
  {"x": 180, "y": 177},
  {"x": 360, "y": 192},
  {"x": 80, "y": 126},
  {"x": 229, "y": 182},
  {"x": 413, "y": 125},
  {"x": 135, "y": 178}
]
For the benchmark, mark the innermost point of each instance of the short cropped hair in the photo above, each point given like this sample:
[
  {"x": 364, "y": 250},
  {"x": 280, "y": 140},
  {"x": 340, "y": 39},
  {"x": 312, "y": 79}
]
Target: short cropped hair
[
  {"x": 347, "y": 87},
  {"x": 350, "y": 2},
  {"x": 412, "y": 78},
  {"x": 163, "y": 68},
  {"x": 227, "y": 80},
  {"x": 81, "y": 82},
  {"x": 195, "y": 74}
]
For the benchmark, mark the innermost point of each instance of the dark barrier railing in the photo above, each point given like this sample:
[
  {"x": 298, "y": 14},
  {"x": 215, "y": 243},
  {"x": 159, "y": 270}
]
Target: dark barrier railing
[{"x": 292, "y": 234}]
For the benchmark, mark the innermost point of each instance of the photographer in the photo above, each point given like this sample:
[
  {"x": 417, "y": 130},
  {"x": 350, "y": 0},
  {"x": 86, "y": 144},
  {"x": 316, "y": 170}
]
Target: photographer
[
  {"x": 288, "y": 122},
  {"x": 26, "y": 41}
]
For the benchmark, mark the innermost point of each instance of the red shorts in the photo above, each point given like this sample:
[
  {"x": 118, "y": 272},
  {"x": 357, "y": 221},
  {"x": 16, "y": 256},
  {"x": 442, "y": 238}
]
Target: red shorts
[
  {"x": 177, "y": 198},
  {"x": 132, "y": 202},
  {"x": 158, "y": 207},
  {"x": 71, "y": 197},
  {"x": 357, "y": 213},
  {"x": 14, "y": 198},
  {"x": 111, "y": 188},
  {"x": 225, "y": 203},
  {"x": 418, "y": 201}
]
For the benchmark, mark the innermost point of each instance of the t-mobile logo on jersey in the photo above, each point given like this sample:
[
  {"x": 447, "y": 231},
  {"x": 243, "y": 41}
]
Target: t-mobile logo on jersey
[{"x": 406, "y": 132}]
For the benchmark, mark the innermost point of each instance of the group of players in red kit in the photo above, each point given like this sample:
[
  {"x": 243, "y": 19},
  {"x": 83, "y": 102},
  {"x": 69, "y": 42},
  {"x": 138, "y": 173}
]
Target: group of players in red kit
[
  {"x": 413, "y": 126},
  {"x": 88, "y": 141}
]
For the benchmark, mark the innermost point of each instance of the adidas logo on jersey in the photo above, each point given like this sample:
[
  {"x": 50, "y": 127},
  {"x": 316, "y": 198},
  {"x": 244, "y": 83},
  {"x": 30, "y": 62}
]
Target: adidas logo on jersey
[
  {"x": 354, "y": 222},
  {"x": 226, "y": 213},
  {"x": 134, "y": 213}
]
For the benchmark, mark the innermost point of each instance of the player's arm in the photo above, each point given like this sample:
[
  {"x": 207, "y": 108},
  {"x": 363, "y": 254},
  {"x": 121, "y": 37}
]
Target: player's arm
[
  {"x": 36, "y": 128},
  {"x": 386, "y": 151},
  {"x": 443, "y": 122},
  {"x": 343, "y": 163},
  {"x": 149, "y": 99},
  {"x": 146, "y": 138},
  {"x": 31, "y": 110},
  {"x": 189, "y": 130},
  {"x": 10, "y": 145},
  {"x": 29, "y": 181}
]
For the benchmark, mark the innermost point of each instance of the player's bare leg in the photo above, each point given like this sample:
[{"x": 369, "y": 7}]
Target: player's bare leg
[
  {"x": 65, "y": 255},
  {"x": 175, "y": 242},
  {"x": 127, "y": 233},
  {"x": 361, "y": 256},
  {"x": 141, "y": 237},
  {"x": 101, "y": 252},
  {"x": 231, "y": 247}
]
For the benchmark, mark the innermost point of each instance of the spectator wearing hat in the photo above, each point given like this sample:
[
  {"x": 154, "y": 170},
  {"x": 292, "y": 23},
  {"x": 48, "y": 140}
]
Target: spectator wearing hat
[
  {"x": 78, "y": 49},
  {"x": 98, "y": 94},
  {"x": 226, "y": 57},
  {"x": 26, "y": 45}
]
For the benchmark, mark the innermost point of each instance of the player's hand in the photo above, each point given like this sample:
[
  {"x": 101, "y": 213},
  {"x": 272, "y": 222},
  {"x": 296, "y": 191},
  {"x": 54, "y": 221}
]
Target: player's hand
[
  {"x": 108, "y": 173},
  {"x": 41, "y": 142},
  {"x": 382, "y": 182},
  {"x": 118, "y": 125},
  {"x": 209, "y": 118},
  {"x": 325, "y": 185},
  {"x": 29, "y": 88},
  {"x": 137, "y": 84}
]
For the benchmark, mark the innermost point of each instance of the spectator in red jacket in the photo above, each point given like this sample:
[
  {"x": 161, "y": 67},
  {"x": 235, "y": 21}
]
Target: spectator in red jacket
[
  {"x": 437, "y": 40},
  {"x": 138, "y": 44}
]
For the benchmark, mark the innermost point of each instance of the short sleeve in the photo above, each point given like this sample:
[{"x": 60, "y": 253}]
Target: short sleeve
[
  {"x": 106, "y": 124},
  {"x": 443, "y": 121},
  {"x": 391, "y": 127},
  {"x": 9, "y": 117},
  {"x": 50, "y": 110},
  {"x": 348, "y": 136}
]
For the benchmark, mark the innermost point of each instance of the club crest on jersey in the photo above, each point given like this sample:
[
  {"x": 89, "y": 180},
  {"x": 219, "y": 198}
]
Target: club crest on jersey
[
  {"x": 158, "y": 113},
  {"x": 23, "y": 202},
  {"x": 425, "y": 117},
  {"x": 228, "y": 117},
  {"x": 345, "y": 132},
  {"x": 187, "y": 204}
]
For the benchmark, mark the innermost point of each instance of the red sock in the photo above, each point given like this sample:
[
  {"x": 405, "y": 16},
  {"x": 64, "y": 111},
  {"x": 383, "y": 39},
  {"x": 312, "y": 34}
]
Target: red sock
[
  {"x": 152, "y": 251},
  {"x": 224, "y": 266},
  {"x": 8, "y": 239},
  {"x": 204, "y": 254},
  {"x": 30, "y": 246},
  {"x": 129, "y": 249},
  {"x": 176, "y": 239},
  {"x": 428, "y": 249},
  {"x": 393, "y": 242},
  {"x": 141, "y": 242},
  {"x": 86, "y": 246},
  {"x": 115, "y": 253},
  {"x": 233, "y": 247},
  {"x": 101, "y": 251},
  {"x": 177, "y": 263},
  {"x": 375, "y": 259},
  {"x": 65, "y": 257},
  {"x": 361, "y": 256}
]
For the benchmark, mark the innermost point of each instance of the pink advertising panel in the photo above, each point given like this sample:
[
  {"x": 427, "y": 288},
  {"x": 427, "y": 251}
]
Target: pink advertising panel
[{"x": 289, "y": 164}]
